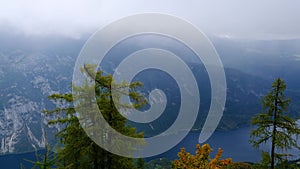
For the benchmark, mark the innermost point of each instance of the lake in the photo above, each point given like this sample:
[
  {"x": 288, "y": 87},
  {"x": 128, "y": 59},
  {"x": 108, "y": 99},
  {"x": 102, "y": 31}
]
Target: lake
[
  {"x": 234, "y": 143},
  {"x": 14, "y": 161}
]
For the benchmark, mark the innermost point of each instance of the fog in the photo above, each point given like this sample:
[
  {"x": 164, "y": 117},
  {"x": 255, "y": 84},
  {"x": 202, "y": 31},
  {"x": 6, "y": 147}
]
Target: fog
[{"x": 253, "y": 19}]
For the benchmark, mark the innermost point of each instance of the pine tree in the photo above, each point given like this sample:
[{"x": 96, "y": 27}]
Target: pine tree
[
  {"x": 274, "y": 124},
  {"x": 78, "y": 150}
]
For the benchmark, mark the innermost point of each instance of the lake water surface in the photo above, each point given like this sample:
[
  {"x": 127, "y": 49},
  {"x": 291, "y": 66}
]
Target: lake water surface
[{"x": 235, "y": 144}]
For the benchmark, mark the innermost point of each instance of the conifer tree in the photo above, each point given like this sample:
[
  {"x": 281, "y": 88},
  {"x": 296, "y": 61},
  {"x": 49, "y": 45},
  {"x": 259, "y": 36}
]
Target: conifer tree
[
  {"x": 78, "y": 150},
  {"x": 274, "y": 124}
]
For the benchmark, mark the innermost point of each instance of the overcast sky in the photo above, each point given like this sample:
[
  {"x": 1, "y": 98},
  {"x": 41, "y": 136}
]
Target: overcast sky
[{"x": 256, "y": 19}]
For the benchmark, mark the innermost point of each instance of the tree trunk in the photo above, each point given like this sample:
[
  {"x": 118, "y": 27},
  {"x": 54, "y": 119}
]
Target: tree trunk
[
  {"x": 76, "y": 159},
  {"x": 46, "y": 158},
  {"x": 273, "y": 146},
  {"x": 274, "y": 127},
  {"x": 102, "y": 160},
  {"x": 95, "y": 158},
  {"x": 110, "y": 118}
]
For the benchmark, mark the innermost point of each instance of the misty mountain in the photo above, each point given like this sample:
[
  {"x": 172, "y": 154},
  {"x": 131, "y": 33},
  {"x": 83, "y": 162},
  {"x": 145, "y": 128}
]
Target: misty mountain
[
  {"x": 268, "y": 59},
  {"x": 32, "y": 69}
]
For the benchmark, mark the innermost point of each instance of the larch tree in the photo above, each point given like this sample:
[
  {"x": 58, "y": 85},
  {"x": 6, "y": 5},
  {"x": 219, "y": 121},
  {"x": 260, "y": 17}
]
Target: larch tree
[
  {"x": 274, "y": 124},
  {"x": 78, "y": 150}
]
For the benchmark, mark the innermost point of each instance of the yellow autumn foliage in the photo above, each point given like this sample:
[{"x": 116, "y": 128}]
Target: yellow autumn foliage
[{"x": 201, "y": 160}]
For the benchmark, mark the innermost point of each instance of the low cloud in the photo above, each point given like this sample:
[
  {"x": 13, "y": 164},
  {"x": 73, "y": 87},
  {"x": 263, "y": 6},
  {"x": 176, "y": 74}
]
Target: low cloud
[{"x": 243, "y": 19}]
